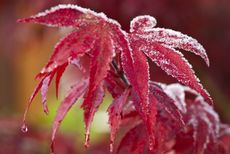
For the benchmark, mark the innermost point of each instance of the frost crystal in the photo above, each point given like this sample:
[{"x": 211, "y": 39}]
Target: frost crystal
[{"x": 176, "y": 92}]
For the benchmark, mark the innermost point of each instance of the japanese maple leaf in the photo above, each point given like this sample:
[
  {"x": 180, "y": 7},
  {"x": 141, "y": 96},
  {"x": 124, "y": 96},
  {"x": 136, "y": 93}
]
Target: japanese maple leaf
[
  {"x": 118, "y": 63},
  {"x": 193, "y": 128},
  {"x": 201, "y": 121}
]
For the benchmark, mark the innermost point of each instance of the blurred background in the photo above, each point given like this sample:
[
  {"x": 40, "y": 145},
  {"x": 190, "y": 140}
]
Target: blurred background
[{"x": 25, "y": 49}]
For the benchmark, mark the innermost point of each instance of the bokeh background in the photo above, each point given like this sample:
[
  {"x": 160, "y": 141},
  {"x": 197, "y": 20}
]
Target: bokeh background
[{"x": 25, "y": 48}]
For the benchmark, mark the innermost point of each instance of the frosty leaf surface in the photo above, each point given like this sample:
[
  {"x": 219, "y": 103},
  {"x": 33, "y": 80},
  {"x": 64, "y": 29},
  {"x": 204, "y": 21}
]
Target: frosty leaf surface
[
  {"x": 200, "y": 118},
  {"x": 166, "y": 103},
  {"x": 91, "y": 108},
  {"x": 142, "y": 23},
  {"x": 174, "y": 64},
  {"x": 74, "y": 45},
  {"x": 166, "y": 118},
  {"x": 71, "y": 98},
  {"x": 36, "y": 90},
  {"x": 139, "y": 79},
  {"x": 99, "y": 64},
  {"x": 203, "y": 120},
  {"x": 59, "y": 73},
  {"x": 158, "y": 44},
  {"x": 128, "y": 146},
  {"x": 144, "y": 27},
  {"x": 62, "y": 15},
  {"x": 177, "y": 93},
  {"x": 115, "y": 111},
  {"x": 114, "y": 84},
  {"x": 44, "y": 89}
]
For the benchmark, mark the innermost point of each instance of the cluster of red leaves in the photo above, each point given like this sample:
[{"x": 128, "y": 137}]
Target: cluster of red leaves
[
  {"x": 165, "y": 119},
  {"x": 185, "y": 123}
]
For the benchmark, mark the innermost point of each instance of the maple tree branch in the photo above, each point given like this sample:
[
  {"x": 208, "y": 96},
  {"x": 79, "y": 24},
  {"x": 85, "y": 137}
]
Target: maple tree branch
[{"x": 120, "y": 73}]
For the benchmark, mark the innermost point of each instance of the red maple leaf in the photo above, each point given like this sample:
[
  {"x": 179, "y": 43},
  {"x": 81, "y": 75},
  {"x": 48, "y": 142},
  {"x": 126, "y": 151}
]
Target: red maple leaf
[{"x": 118, "y": 63}]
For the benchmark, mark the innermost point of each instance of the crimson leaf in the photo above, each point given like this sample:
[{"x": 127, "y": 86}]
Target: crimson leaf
[
  {"x": 114, "y": 111},
  {"x": 118, "y": 63},
  {"x": 66, "y": 105}
]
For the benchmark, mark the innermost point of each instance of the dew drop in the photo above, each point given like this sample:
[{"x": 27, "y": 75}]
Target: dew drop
[
  {"x": 24, "y": 128},
  {"x": 111, "y": 147}
]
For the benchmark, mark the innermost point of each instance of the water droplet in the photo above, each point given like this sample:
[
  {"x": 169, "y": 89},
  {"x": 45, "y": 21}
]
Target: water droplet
[
  {"x": 24, "y": 128},
  {"x": 111, "y": 147}
]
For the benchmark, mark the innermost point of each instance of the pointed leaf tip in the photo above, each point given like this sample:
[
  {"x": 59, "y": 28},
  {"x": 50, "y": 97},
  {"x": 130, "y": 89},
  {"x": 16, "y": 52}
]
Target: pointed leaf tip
[
  {"x": 20, "y": 20},
  {"x": 62, "y": 15},
  {"x": 44, "y": 90},
  {"x": 90, "y": 105},
  {"x": 87, "y": 139},
  {"x": 36, "y": 89},
  {"x": 174, "y": 39},
  {"x": 173, "y": 63},
  {"x": 114, "y": 111},
  {"x": 60, "y": 71},
  {"x": 66, "y": 105}
]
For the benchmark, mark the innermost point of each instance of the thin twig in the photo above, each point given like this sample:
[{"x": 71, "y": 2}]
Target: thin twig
[{"x": 120, "y": 73}]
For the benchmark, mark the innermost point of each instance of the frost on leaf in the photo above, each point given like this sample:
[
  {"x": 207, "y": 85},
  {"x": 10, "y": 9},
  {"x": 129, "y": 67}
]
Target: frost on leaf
[
  {"x": 138, "y": 75},
  {"x": 167, "y": 37},
  {"x": 114, "y": 84},
  {"x": 91, "y": 108},
  {"x": 114, "y": 111},
  {"x": 173, "y": 63},
  {"x": 44, "y": 90},
  {"x": 67, "y": 16},
  {"x": 166, "y": 103},
  {"x": 134, "y": 141},
  {"x": 166, "y": 118},
  {"x": 177, "y": 93},
  {"x": 74, "y": 45},
  {"x": 61, "y": 15},
  {"x": 43, "y": 85},
  {"x": 163, "y": 52},
  {"x": 99, "y": 66},
  {"x": 59, "y": 73},
  {"x": 142, "y": 23},
  {"x": 72, "y": 96},
  {"x": 194, "y": 130},
  {"x": 202, "y": 122}
]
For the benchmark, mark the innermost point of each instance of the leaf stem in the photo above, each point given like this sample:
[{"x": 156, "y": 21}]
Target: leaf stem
[{"x": 120, "y": 73}]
